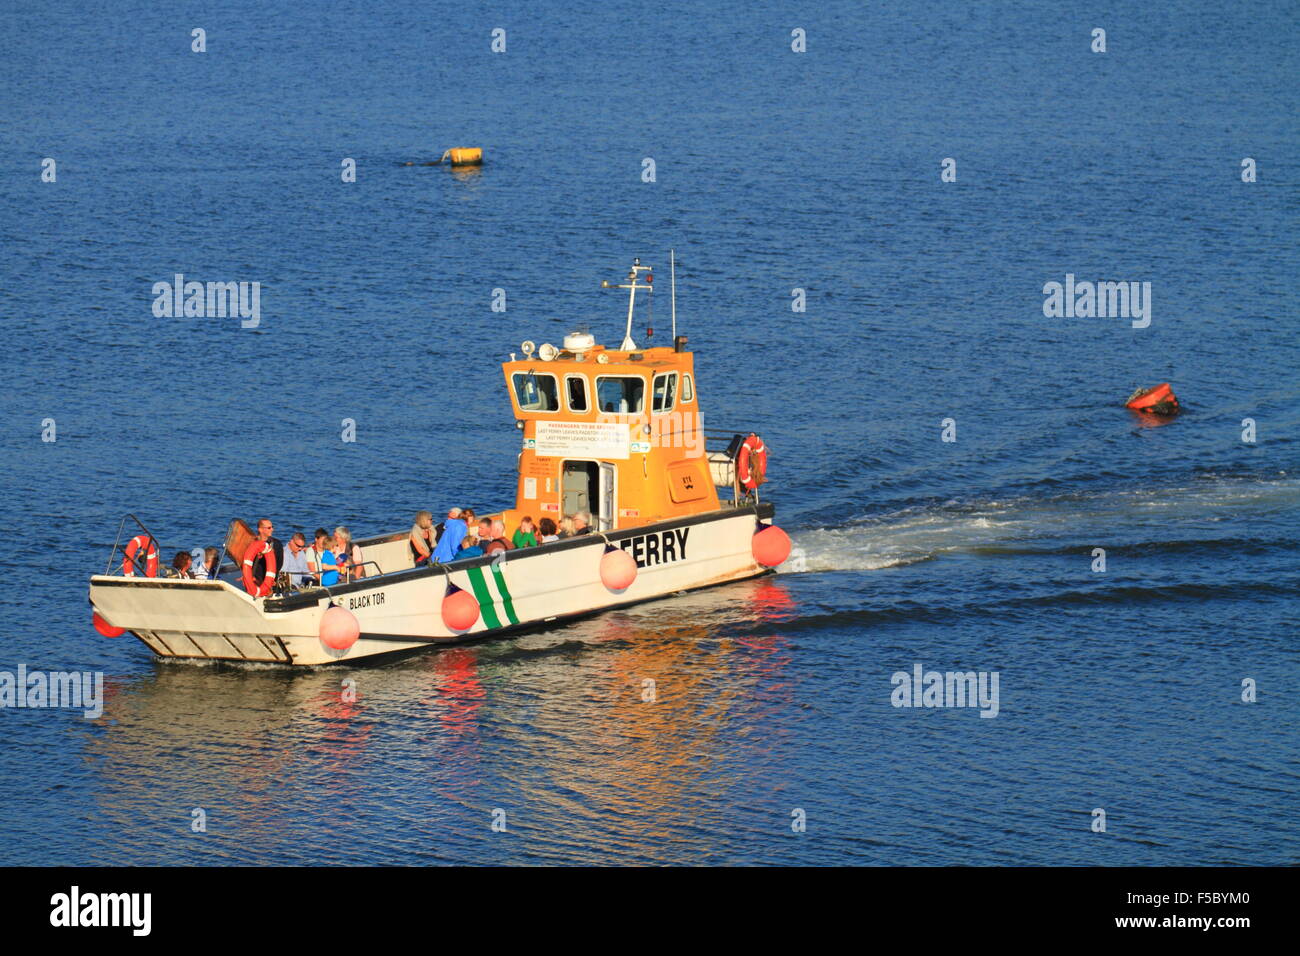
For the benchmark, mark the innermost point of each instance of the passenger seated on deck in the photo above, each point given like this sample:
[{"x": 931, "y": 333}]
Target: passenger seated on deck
[
  {"x": 484, "y": 533},
  {"x": 546, "y": 528},
  {"x": 524, "y": 537},
  {"x": 348, "y": 554},
  {"x": 181, "y": 566},
  {"x": 498, "y": 542},
  {"x": 329, "y": 565},
  {"x": 582, "y": 523},
  {"x": 442, "y": 525},
  {"x": 453, "y": 532},
  {"x": 423, "y": 538},
  {"x": 566, "y": 527},
  {"x": 295, "y": 560},
  {"x": 469, "y": 548},
  {"x": 207, "y": 571},
  {"x": 316, "y": 550}
]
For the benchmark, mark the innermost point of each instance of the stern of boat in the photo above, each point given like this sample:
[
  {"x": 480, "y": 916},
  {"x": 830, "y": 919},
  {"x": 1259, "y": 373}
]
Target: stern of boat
[{"x": 196, "y": 619}]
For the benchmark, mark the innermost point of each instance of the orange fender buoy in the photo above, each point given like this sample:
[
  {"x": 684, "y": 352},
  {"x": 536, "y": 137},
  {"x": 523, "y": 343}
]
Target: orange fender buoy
[
  {"x": 339, "y": 628},
  {"x": 150, "y": 558},
  {"x": 771, "y": 546},
  {"x": 255, "y": 550},
  {"x": 1159, "y": 399},
  {"x": 101, "y": 625},
  {"x": 617, "y": 569},
  {"x": 459, "y": 609}
]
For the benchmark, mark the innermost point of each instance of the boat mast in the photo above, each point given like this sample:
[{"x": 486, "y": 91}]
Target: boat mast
[
  {"x": 672, "y": 269},
  {"x": 628, "y": 345}
]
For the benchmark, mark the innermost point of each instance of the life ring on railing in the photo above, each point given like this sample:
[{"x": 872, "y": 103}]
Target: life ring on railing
[
  {"x": 141, "y": 540},
  {"x": 751, "y": 463},
  {"x": 255, "y": 550}
]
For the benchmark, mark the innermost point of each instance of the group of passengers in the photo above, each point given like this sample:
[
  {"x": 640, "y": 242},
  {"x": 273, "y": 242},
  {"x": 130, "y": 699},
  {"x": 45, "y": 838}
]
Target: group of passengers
[
  {"x": 183, "y": 565},
  {"x": 329, "y": 560},
  {"x": 463, "y": 535},
  {"x": 334, "y": 558}
]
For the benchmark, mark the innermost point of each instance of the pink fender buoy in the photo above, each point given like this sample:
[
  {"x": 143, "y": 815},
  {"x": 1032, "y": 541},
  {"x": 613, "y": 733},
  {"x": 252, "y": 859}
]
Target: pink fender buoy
[
  {"x": 101, "y": 625},
  {"x": 459, "y": 609},
  {"x": 339, "y": 628},
  {"x": 771, "y": 546},
  {"x": 617, "y": 569}
]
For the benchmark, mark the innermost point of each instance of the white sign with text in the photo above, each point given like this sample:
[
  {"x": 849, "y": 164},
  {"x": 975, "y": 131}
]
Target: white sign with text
[{"x": 582, "y": 440}]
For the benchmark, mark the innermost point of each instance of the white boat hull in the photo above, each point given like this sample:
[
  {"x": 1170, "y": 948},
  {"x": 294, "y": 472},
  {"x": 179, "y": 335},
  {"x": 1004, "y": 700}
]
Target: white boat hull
[{"x": 402, "y": 611}]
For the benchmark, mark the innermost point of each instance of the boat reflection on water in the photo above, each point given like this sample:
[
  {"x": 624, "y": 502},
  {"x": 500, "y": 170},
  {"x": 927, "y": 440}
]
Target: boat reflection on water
[
  {"x": 221, "y": 739},
  {"x": 620, "y": 734},
  {"x": 458, "y": 690},
  {"x": 619, "y": 725}
]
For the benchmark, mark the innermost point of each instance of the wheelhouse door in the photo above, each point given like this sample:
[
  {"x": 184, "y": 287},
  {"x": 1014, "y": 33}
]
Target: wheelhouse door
[
  {"x": 578, "y": 487},
  {"x": 607, "y": 499}
]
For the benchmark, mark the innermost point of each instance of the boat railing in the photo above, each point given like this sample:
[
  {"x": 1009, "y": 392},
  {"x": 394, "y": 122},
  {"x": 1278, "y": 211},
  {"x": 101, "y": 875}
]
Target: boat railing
[
  {"x": 378, "y": 570},
  {"x": 722, "y": 440},
  {"x": 304, "y": 586},
  {"x": 722, "y": 447},
  {"x": 139, "y": 560}
]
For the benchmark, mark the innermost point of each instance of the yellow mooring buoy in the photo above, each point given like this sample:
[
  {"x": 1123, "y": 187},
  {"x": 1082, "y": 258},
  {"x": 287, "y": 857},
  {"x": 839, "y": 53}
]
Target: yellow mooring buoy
[{"x": 464, "y": 156}]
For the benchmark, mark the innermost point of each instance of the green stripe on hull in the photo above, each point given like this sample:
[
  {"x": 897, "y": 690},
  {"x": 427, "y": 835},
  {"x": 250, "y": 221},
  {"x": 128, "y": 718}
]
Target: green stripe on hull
[
  {"x": 505, "y": 594},
  {"x": 486, "y": 605}
]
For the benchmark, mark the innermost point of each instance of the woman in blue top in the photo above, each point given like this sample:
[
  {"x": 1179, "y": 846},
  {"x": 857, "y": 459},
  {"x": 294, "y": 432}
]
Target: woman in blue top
[{"x": 453, "y": 533}]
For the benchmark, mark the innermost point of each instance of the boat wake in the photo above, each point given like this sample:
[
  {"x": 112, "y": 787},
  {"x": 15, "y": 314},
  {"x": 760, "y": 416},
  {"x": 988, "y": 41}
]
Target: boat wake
[{"x": 1193, "y": 515}]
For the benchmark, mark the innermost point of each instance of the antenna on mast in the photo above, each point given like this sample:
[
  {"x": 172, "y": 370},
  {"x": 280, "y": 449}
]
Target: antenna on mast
[{"x": 672, "y": 267}]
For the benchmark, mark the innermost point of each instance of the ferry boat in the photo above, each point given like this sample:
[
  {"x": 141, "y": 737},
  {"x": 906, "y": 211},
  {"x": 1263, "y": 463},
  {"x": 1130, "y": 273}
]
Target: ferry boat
[{"x": 615, "y": 433}]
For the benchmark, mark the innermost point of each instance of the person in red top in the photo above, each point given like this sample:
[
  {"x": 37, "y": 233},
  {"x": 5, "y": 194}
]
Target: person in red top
[{"x": 266, "y": 533}]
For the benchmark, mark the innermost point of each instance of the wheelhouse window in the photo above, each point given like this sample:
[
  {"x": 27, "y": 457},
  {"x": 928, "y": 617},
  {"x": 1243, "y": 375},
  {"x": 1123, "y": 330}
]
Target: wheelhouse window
[
  {"x": 620, "y": 394},
  {"x": 688, "y": 389},
  {"x": 575, "y": 389},
  {"x": 665, "y": 392},
  {"x": 536, "y": 393}
]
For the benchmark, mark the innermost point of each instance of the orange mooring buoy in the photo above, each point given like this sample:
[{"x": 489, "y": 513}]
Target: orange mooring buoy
[
  {"x": 1158, "y": 400},
  {"x": 458, "y": 156},
  {"x": 464, "y": 156}
]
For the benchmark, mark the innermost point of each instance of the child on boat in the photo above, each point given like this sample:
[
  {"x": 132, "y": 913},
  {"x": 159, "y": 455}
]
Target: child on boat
[
  {"x": 469, "y": 548},
  {"x": 525, "y": 537},
  {"x": 329, "y": 564}
]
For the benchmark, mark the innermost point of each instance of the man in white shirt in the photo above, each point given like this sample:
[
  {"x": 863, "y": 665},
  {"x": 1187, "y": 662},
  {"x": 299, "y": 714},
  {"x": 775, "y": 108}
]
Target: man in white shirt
[{"x": 295, "y": 559}]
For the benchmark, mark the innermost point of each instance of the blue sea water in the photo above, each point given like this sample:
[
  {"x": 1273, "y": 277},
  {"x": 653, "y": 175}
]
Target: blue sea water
[{"x": 774, "y": 171}]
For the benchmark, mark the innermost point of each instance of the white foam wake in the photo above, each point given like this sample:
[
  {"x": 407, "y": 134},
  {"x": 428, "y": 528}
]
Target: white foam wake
[{"x": 1032, "y": 523}]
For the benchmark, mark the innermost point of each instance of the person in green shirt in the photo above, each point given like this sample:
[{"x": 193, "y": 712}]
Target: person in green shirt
[{"x": 526, "y": 536}]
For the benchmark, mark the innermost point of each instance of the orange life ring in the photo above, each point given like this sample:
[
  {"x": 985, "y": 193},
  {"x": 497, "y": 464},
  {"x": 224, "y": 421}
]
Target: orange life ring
[
  {"x": 150, "y": 559},
  {"x": 751, "y": 463},
  {"x": 255, "y": 550}
]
